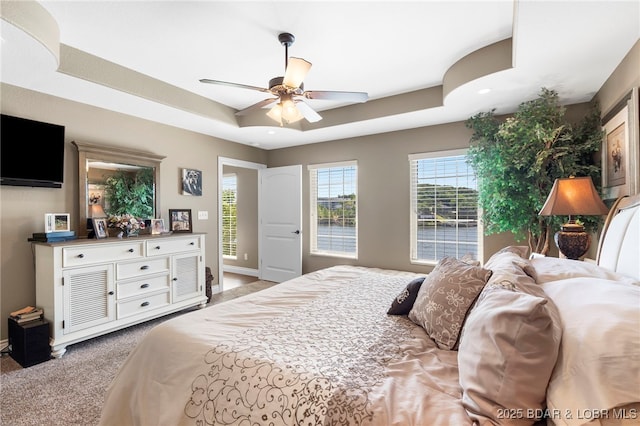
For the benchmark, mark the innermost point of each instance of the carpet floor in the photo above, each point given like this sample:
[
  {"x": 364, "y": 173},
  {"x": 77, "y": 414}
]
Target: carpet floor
[{"x": 70, "y": 390}]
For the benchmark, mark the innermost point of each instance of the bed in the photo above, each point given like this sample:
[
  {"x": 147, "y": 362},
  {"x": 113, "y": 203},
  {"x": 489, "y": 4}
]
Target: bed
[{"x": 515, "y": 341}]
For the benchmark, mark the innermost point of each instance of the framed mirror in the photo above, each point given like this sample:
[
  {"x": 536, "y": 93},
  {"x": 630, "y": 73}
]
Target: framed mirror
[{"x": 100, "y": 169}]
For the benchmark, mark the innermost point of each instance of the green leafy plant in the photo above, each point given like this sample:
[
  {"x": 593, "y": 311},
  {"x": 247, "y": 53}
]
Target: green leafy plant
[
  {"x": 130, "y": 193},
  {"x": 518, "y": 159}
]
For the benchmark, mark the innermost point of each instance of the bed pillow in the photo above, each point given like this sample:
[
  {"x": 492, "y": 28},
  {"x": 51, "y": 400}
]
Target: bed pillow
[
  {"x": 521, "y": 251},
  {"x": 507, "y": 354},
  {"x": 553, "y": 269},
  {"x": 510, "y": 259},
  {"x": 599, "y": 360},
  {"x": 445, "y": 297},
  {"x": 403, "y": 302}
]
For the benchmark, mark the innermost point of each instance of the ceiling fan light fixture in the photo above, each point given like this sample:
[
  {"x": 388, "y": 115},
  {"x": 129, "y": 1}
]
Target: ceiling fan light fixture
[
  {"x": 285, "y": 112},
  {"x": 289, "y": 90}
]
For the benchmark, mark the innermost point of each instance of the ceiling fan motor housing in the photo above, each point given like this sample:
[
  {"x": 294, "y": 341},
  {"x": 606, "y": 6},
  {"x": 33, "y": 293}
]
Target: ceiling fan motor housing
[{"x": 276, "y": 87}]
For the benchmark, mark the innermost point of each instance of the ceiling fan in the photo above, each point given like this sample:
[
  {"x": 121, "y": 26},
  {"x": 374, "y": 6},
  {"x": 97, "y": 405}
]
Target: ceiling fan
[{"x": 289, "y": 91}]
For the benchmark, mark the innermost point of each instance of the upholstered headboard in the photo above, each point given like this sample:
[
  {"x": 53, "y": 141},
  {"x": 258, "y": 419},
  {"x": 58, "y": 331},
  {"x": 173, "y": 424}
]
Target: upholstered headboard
[{"x": 619, "y": 247}]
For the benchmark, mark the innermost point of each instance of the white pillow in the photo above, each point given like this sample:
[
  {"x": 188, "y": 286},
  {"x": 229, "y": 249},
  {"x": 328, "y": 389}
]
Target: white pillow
[
  {"x": 598, "y": 365},
  {"x": 553, "y": 269}
]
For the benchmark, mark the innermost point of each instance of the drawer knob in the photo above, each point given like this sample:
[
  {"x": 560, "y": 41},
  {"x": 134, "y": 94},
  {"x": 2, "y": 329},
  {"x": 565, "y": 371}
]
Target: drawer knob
[
  {"x": 192, "y": 243},
  {"x": 81, "y": 255},
  {"x": 175, "y": 279},
  {"x": 111, "y": 293},
  {"x": 157, "y": 247},
  {"x": 143, "y": 304},
  {"x": 143, "y": 267},
  {"x": 130, "y": 250},
  {"x": 144, "y": 285}
]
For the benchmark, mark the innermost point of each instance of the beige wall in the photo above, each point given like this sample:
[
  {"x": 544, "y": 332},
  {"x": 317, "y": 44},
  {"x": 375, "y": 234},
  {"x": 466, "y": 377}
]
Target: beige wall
[
  {"x": 382, "y": 166},
  {"x": 621, "y": 81}
]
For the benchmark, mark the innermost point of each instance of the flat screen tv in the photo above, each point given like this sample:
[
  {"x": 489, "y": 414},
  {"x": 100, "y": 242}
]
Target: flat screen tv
[{"x": 31, "y": 152}]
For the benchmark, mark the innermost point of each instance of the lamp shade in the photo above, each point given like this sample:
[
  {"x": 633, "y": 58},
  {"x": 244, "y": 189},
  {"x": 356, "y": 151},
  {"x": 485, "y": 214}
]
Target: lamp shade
[
  {"x": 96, "y": 210},
  {"x": 574, "y": 196}
]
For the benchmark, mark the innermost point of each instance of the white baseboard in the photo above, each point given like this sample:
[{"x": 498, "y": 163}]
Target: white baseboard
[{"x": 240, "y": 270}]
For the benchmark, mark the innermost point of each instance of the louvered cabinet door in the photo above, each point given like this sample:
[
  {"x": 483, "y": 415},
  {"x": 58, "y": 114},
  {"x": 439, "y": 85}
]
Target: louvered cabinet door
[
  {"x": 186, "y": 271},
  {"x": 89, "y": 298}
]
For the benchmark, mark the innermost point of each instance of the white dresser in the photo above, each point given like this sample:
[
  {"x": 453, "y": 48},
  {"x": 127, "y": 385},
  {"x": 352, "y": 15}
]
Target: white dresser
[{"x": 92, "y": 287}]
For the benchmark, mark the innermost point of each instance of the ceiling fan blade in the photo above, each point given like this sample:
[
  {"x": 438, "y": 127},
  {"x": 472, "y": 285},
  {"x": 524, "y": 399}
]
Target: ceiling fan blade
[
  {"x": 309, "y": 114},
  {"x": 256, "y": 106},
  {"x": 337, "y": 96},
  {"x": 238, "y": 85},
  {"x": 297, "y": 69}
]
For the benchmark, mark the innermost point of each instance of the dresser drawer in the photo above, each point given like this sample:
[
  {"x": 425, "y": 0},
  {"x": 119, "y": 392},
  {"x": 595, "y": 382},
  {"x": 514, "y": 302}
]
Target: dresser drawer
[
  {"x": 142, "y": 268},
  {"x": 101, "y": 253},
  {"x": 140, "y": 305},
  {"x": 143, "y": 286},
  {"x": 172, "y": 245}
]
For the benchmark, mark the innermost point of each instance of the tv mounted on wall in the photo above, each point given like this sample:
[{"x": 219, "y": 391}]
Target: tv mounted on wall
[{"x": 31, "y": 152}]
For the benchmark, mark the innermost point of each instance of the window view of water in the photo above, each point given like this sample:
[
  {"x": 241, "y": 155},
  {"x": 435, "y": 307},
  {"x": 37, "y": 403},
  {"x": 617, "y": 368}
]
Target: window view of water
[
  {"x": 434, "y": 243},
  {"x": 336, "y": 238}
]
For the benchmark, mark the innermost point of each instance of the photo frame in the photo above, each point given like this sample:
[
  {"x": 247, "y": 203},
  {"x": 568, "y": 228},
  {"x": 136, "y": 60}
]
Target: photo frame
[
  {"x": 191, "y": 182},
  {"x": 620, "y": 152},
  {"x": 157, "y": 226},
  {"x": 57, "y": 222},
  {"x": 180, "y": 220},
  {"x": 100, "y": 227}
]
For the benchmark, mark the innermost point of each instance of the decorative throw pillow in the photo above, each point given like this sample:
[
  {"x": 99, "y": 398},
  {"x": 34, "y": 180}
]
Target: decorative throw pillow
[
  {"x": 403, "y": 303},
  {"x": 445, "y": 297},
  {"x": 507, "y": 355}
]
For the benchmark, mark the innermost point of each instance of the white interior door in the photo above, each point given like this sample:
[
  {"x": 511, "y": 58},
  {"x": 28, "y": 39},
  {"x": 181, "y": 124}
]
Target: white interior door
[{"x": 280, "y": 207}]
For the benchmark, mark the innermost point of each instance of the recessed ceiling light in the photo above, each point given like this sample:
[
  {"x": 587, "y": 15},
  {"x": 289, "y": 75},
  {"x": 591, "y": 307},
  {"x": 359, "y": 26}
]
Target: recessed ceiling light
[
  {"x": 271, "y": 132},
  {"x": 483, "y": 91}
]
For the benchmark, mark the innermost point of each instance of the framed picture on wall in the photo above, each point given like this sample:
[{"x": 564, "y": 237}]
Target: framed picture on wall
[
  {"x": 620, "y": 151},
  {"x": 191, "y": 182},
  {"x": 180, "y": 220},
  {"x": 56, "y": 222}
]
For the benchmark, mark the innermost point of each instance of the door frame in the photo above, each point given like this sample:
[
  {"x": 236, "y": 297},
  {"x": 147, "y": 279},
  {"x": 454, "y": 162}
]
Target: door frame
[{"x": 225, "y": 161}]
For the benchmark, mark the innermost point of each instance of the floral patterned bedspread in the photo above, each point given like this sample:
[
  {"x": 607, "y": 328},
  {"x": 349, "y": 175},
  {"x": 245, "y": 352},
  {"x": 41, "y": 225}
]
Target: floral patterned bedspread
[{"x": 317, "y": 350}]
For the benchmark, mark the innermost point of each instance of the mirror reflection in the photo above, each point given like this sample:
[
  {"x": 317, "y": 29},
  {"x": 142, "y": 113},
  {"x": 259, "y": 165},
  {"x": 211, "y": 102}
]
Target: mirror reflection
[{"x": 116, "y": 183}]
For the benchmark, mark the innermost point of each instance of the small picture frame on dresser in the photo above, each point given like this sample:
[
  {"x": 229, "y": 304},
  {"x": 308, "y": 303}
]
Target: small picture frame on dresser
[
  {"x": 56, "y": 222},
  {"x": 100, "y": 227},
  {"x": 157, "y": 226},
  {"x": 180, "y": 220}
]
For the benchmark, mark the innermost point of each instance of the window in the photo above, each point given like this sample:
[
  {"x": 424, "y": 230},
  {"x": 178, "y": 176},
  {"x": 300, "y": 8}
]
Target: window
[
  {"x": 334, "y": 209},
  {"x": 229, "y": 216},
  {"x": 444, "y": 207}
]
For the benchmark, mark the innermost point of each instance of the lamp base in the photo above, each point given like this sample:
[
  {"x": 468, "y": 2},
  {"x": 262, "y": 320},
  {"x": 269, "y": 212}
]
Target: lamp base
[{"x": 572, "y": 241}]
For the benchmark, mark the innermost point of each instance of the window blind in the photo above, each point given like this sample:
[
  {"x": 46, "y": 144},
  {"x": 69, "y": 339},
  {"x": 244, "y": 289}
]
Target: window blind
[
  {"x": 333, "y": 209},
  {"x": 444, "y": 206}
]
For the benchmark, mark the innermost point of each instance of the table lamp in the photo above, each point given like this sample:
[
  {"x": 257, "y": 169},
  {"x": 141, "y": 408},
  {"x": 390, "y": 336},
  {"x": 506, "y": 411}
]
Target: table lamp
[
  {"x": 96, "y": 210},
  {"x": 573, "y": 196}
]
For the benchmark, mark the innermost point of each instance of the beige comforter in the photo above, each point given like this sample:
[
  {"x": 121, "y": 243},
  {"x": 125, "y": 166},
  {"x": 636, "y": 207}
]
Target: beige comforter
[{"x": 317, "y": 350}]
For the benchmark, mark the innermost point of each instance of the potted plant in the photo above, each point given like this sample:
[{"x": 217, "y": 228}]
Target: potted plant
[{"x": 518, "y": 159}]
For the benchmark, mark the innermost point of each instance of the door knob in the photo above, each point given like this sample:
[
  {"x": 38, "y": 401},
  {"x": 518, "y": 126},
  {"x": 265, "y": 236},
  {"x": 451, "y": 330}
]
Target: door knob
[{"x": 297, "y": 232}]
